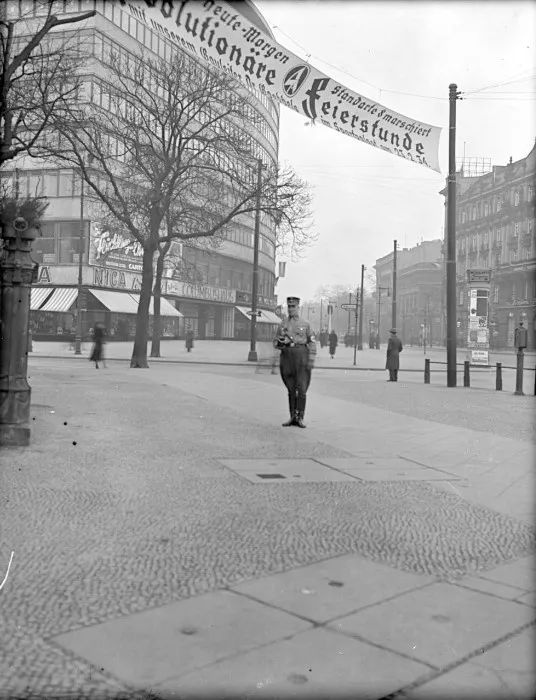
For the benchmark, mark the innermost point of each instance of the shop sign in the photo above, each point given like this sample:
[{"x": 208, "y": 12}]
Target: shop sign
[
  {"x": 57, "y": 275},
  {"x": 201, "y": 292},
  {"x": 247, "y": 298},
  {"x": 478, "y": 275},
  {"x": 115, "y": 279},
  {"x": 114, "y": 249}
]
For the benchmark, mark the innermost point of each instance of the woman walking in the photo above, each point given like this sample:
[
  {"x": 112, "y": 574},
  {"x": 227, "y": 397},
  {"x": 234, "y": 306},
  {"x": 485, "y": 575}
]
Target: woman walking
[{"x": 97, "y": 352}]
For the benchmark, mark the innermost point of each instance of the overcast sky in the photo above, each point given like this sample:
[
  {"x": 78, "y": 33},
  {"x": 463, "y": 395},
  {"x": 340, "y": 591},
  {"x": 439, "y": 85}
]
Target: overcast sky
[{"x": 364, "y": 198}]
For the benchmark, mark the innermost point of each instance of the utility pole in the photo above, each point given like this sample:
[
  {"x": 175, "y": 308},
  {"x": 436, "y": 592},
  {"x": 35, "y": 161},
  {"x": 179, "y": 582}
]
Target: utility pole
[
  {"x": 349, "y": 312},
  {"x": 393, "y": 311},
  {"x": 355, "y": 322},
  {"x": 360, "y": 347},
  {"x": 252, "y": 356},
  {"x": 451, "y": 241},
  {"x": 79, "y": 304}
]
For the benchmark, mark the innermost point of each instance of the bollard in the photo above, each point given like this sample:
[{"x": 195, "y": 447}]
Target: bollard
[
  {"x": 427, "y": 371},
  {"x": 466, "y": 377},
  {"x": 519, "y": 373},
  {"x": 498, "y": 377}
]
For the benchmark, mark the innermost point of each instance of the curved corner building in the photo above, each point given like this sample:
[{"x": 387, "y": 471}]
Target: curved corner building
[{"x": 213, "y": 300}]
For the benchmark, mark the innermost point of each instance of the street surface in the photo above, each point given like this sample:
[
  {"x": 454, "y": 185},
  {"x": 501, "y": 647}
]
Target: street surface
[
  {"x": 411, "y": 360},
  {"x": 169, "y": 536}
]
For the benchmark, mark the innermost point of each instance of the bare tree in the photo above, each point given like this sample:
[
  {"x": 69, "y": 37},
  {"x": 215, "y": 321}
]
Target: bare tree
[
  {"x": 171, "y": 158},
  {"x": 38, "y": 72}
]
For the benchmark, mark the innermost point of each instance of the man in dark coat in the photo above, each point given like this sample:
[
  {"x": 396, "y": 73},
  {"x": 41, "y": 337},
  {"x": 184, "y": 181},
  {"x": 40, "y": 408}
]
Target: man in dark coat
[
  {"x": 189, "y": 339},
  {"x": 296, "y": 341},
  {"x": 394, "y": 348},
  {"x": 333, "y": 342},
  {"x": 97, "y": 352}
]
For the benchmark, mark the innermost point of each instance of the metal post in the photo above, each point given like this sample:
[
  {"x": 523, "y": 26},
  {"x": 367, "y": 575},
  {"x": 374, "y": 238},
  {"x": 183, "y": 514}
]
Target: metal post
[
  {"x": 16, "y": 276},
  {"x": 519, "y": 373},
  {"x": 466, "y": 376},
  {"x": 78, "y": 336},
  {"x": 349, "y": 313},
  {"x": 252, "y": 356},
  {"x": 451, "y": 241},
  {"x": 355, "y": 324},
  {"x": 360, "y": 347},
  {"x": 320, "y": 313},
  {"x": 535, "y": 380},
  {"x": 498, "y": 376},
  {"x": 393, "y": 309},
  {"x": 427, "y": 371},
  {"x": 378, "y": 314}
]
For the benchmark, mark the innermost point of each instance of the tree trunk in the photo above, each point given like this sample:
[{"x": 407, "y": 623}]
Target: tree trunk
[
  {"x": 139, "y": 352},
  {"x": 157, "y": 321}
]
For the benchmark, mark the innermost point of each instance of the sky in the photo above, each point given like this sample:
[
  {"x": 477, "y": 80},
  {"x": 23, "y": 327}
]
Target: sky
[{"x": 364, "y": 199}]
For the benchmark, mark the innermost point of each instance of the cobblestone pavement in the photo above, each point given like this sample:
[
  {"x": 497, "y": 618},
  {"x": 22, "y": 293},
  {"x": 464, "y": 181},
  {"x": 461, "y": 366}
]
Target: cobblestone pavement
[{"x": 121, "y": 505}]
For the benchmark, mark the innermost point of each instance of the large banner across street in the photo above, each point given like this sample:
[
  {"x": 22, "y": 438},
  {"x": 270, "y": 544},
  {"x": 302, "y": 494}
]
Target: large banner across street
[{"x": 221, "y": 36}]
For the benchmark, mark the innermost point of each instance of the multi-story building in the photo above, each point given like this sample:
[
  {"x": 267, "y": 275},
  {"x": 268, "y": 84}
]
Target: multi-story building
[
  {"x": 495, "y": 230},
  {"x": 215, "y": 299},
  {"x": 419, "y": 293}
]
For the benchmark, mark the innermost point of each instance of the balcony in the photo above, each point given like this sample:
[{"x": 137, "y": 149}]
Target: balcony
[{"x": 526, "y": 240}]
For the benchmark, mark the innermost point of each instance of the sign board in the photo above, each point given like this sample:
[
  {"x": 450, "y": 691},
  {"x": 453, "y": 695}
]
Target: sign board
[
  {"x": 348, "y": 306},
  {"x": 478, "y": 275},
  {"x": 480, "y": 357},
  {"x": 114, "y": 249},
  {"x": 202, "y": 292},
  {"x": 225, "y": 39}
]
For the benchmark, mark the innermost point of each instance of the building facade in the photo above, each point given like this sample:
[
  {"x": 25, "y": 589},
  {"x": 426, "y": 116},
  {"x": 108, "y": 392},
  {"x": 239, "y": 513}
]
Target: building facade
[
  {"x": 210, "y": 292},
  {"x": 495, "y": 231},
  {"x": 419, "y": 295}
]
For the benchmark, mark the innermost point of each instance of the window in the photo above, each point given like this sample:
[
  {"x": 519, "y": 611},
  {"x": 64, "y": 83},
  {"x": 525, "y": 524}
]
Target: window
[
  {"x": 499, "y": 204},
  {"x": 531, "y": 193},
  {"x": 44, "y": 246},
  {"x": 50, "y": 183},
  {"x": 66, "y": 183},
  {"x": 496, "y": 294},
  {"x": 517, "y": 197},
  {"x": 513, "y": 256},
  {"x": 517, "y": 227},
  {"x": 69, "y": 241},
  {"x": 460, "y": 299},
  {"x": 35, "y": 184}
]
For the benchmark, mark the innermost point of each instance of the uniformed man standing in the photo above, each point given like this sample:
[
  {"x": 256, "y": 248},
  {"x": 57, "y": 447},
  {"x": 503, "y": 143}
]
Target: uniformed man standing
[{"x": 298, "y": 351}]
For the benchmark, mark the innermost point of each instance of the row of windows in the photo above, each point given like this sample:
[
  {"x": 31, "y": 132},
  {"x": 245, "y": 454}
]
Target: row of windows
[
  {"x": 59, "y": 243},
  {"x": 494, "y": 204},
  {"x": 221, "y": 276},
  {"x": 517, "y": 228},
  {"x": 490, "y": 259}
]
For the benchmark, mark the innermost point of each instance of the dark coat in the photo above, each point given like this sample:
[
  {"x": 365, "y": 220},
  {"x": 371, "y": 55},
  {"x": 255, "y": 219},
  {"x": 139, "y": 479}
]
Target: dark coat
[
  {"x": 333, "y": 342},
  {"x": 98, "y": 342},
  {"x": 394, "y": 348},
  {"x": 189, "y": 339}
]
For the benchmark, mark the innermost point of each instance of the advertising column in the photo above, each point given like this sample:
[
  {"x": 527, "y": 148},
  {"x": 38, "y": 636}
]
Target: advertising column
[{"x": 478, "y": 325}]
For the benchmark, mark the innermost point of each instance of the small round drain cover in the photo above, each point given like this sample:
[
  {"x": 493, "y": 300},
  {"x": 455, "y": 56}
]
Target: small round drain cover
[{"x": 188, "y": 630}]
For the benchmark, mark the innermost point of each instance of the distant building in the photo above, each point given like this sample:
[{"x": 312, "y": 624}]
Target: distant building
[
  {"x": 495, "y": 230},
  {"x": 419, "y": 293}
]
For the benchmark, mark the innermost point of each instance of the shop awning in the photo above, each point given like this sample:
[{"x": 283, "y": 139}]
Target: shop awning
[
  {"x": 39, "y": 296},
  {"x": 265, "y": 316},
  {"x": 116, "y": 302},
  {"x": 61, "y": 300},
  {"x": 166, "y": 308},
  {"x": 271, "y": 317}
]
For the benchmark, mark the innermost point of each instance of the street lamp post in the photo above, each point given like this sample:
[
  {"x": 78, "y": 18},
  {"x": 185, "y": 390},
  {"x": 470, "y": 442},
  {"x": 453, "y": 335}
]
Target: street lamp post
[
  {"x": 252, "y": 356},
  {"x": 380, "y": 290}
]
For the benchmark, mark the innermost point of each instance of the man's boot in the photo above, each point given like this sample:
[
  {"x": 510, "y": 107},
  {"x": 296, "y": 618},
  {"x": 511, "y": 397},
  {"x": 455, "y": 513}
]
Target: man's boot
[
  {"x": 292, "y": 410},
  {"x": 300, "y": 413}
]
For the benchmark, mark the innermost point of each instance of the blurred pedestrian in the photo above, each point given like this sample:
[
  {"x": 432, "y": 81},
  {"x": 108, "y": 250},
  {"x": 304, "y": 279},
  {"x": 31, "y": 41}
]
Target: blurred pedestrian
[
  {"x": 298, "y": 351},
  {"x": 394, "y": 348},
  {"x": 333, "y": 342},
  {"x": 189, "y": 339},
  {"x": 97, "y": 351}
]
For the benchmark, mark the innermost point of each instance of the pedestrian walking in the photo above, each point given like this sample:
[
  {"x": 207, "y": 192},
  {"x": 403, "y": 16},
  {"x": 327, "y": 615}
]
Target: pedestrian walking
[
  {"x": 189, "y": 339},
  {"x": 97, "y": 351},
  {"x": 394, "y": 348},
  {"x": 333, "y": 342},
  {"x": 298, "y": 351}
]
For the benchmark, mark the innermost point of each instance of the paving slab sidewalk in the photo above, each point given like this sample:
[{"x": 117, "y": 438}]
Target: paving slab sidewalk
[{"x": 146, "y": 562}]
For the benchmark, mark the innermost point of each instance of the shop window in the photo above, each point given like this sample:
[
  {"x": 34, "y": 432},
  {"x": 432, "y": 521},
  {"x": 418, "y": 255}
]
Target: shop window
[
  {"x": 35, "y": 184},
  {"x": 69, "y": 242},
  {"x": 50, "y": 183}
]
